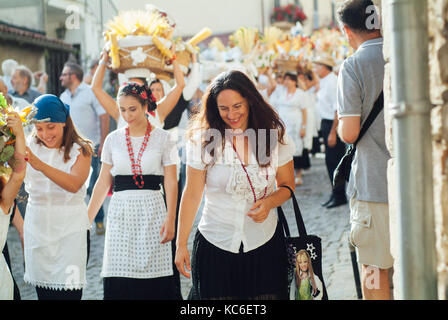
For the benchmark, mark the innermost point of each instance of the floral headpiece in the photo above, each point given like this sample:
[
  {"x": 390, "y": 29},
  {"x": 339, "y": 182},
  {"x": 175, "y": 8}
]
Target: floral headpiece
[{"x": 141, "y": 91}]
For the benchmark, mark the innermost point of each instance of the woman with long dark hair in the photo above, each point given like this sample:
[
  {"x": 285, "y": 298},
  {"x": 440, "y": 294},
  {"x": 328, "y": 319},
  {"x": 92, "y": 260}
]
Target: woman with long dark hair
[
  {"x": 56, "y": 224},
  {"x": 237, "y": 152},
  {"x": 138, "y": 158}
]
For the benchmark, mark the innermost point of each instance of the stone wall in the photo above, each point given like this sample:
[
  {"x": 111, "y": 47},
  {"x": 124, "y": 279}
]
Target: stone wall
[{"x": 438, "y": 64}]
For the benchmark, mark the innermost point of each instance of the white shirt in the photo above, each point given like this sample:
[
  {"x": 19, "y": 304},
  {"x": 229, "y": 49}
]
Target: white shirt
[
  {"x": 19, "y": 103},
  {"x": 160, "y": 151},
  {"x": 289, "y": 108},
  {"x": 228, "y": 196},
  {"x": 326, "y": 97}
]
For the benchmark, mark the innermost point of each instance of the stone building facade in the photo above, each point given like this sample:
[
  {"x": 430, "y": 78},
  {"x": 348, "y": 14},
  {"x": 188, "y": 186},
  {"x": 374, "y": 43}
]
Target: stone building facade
[{"x": 438, "y": 83}]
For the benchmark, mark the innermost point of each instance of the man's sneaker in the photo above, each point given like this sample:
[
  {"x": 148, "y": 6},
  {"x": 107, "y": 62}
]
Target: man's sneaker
[{"x": 99, "y": 228}]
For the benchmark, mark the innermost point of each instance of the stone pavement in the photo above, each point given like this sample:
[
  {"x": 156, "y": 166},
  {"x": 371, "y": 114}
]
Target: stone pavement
[{"x": 331, "y": 225}]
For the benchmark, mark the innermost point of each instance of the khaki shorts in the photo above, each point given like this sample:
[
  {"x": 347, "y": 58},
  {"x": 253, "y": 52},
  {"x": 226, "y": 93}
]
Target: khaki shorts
[{"x": 370, "y": 233}]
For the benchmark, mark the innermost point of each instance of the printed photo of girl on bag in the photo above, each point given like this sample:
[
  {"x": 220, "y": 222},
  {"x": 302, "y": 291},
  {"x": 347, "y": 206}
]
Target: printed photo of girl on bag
[{"x": 306, "y": 285}]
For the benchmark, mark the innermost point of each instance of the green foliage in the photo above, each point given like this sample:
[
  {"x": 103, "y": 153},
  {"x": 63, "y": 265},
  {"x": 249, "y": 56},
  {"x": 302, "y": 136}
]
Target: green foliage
[{"x": 6, "y": 154}]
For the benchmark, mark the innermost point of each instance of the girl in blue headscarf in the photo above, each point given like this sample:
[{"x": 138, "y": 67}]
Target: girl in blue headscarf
[{"x": 56, "y": 224}]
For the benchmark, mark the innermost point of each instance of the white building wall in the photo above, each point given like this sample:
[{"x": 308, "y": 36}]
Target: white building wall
[{"x": 225, "y": 16}]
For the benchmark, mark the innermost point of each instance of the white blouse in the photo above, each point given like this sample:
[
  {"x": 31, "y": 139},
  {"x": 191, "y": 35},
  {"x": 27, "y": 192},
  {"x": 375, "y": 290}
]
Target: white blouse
[
  {"x": 55, "y": 226},
  {"x": 289, "y": 108},
  {"x": 228, "y": 196},
  {"x": 160, "y": 148},
  {"x": 326, "y": 96}
]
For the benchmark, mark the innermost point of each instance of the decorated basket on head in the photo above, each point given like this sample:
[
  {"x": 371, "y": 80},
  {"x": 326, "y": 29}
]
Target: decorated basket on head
[{"x": 142, "y": 40}]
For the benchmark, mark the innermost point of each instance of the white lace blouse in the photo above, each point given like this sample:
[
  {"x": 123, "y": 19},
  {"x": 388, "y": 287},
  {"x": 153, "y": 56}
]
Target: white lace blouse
[{"x": 228, "y": 196}]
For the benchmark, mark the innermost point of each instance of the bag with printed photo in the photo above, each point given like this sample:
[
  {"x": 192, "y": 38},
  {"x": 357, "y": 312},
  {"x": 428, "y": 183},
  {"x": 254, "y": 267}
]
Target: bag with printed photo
[{"x": 305, "y": 259}]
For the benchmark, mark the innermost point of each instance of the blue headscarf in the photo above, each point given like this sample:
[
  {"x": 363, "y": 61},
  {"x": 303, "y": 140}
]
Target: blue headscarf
[{"x": 51, "y": 107}]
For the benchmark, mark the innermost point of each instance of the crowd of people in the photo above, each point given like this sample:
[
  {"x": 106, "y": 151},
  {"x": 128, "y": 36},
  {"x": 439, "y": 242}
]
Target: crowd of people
[{"x": 125, "y": 139}]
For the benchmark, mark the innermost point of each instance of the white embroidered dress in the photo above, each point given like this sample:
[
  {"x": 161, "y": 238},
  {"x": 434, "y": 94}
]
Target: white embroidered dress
[
  {"x": 229, "y": 196},
  {"x": 55, "y": 226},
  {"x": 132, "y": 246},
  {"x": 6, "y": 283},
  {"x": 289, "y": 108}
]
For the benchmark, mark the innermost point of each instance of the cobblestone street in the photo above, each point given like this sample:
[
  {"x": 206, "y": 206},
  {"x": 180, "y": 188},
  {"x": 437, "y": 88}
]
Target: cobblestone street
[{"x": 331, "y": 225}]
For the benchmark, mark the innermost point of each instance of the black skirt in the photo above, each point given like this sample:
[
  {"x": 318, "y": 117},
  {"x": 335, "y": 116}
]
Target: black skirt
[
  {"x": 162, "y": 288},
  {"x": 222, "y": 275},
  {"x": 303, "y": 161}
]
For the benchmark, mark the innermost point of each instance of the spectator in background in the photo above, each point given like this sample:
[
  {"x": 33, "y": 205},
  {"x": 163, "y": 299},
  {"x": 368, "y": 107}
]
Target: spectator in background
[
  {"x": 21, "y": 80},
  {"x": 326, "y": 105},
  {"x": 8, "y": 67},
  {"x": 89, "y": 117},
  {"x": 89, "y": 77},
  {"x": 290, "y": 103},
  {"x": 307, "y": 82},
  {"x": 16, "y": 103},
  {"x": 43, "y": 79}
]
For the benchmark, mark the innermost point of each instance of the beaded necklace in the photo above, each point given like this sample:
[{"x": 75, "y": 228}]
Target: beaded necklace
[
  {"x": 135, "y": 165},
  {"x": 248, "y": 178}
]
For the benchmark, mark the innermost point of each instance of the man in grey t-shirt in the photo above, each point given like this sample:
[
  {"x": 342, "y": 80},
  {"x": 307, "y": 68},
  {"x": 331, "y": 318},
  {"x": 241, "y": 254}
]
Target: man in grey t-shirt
[{"x": 360, "y": 83}]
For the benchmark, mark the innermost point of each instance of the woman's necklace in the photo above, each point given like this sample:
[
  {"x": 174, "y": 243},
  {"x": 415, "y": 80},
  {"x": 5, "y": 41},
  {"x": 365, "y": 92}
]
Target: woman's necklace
[
  {"x": 135, "y": 165},
  {"x": 248, "y": 178}
]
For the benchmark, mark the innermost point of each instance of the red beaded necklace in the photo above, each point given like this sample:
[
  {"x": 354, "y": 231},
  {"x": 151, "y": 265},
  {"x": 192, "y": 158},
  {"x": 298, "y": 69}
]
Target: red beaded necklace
[
  {"x": 135, "y": 165},
  {"x": 248, "y": 178}
]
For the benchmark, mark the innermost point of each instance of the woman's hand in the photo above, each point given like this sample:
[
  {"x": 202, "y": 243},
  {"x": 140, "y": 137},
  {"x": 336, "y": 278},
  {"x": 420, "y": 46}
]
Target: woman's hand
[
  {"x": 34, "y": 161},
  {"x": 260, "y": 210},
  {"x": 167, "y": 230},
  {"x": 302, "y": 133},
  {"x": 14, "y": 123},
  {"x": 182, "y": 260},
  {"x": 104, "y": 58}
]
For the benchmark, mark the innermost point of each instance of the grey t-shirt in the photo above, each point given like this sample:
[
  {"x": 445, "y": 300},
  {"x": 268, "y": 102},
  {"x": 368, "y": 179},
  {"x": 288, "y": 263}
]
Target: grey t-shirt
[{"x": 360, "y": 82}]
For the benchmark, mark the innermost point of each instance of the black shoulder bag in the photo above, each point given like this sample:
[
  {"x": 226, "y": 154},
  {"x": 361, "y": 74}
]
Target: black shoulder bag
[
  {"x": 342, "y": 171},
  {"x": 305, "y": 279}
]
